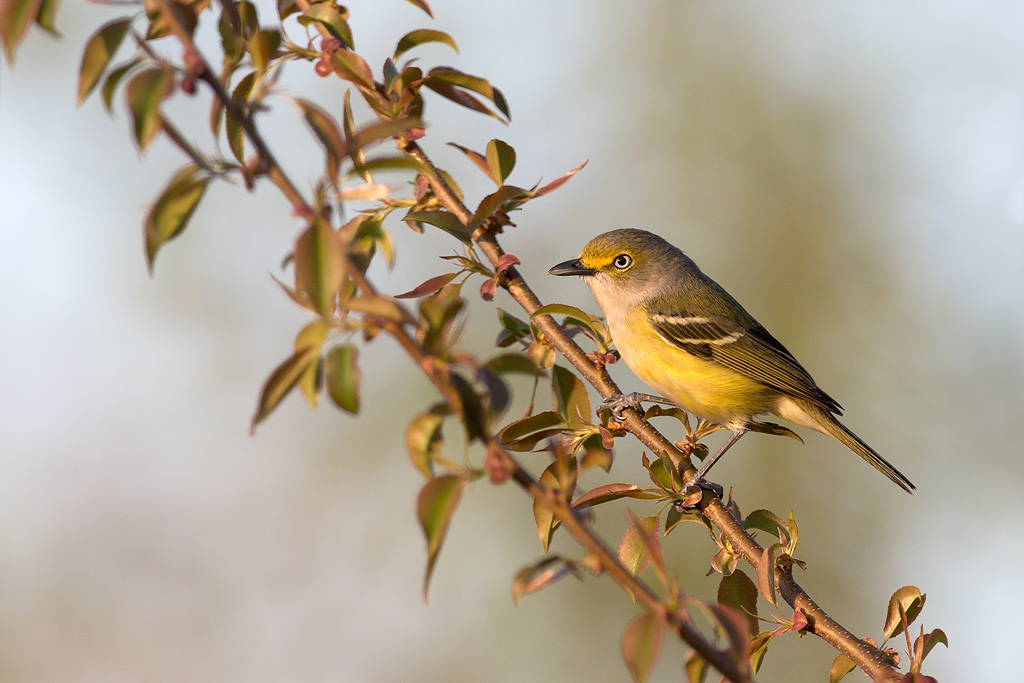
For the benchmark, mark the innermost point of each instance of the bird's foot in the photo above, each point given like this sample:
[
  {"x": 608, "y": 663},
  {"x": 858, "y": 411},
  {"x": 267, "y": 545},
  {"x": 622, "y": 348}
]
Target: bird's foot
[
  {"x": 620, "y": 402},
  {"x": 700, "y": 484}
]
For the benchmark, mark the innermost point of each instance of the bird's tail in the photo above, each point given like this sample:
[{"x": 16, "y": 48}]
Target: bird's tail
[{"x": 827, "y": 423}]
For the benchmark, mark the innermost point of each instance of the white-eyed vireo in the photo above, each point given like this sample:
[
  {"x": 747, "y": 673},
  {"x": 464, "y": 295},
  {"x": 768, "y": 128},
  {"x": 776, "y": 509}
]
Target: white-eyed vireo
[{"x": 686, "y": 337}]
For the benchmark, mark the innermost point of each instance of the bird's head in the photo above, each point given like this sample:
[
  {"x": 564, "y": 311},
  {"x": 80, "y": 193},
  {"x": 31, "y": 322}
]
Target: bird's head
[{"x": 622, "y": 257}]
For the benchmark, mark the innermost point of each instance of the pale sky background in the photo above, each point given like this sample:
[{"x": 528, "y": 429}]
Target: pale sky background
[{"x": 852, "y": 172}]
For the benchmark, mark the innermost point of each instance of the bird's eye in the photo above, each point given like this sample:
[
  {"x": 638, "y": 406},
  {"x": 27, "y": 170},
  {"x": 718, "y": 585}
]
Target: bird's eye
[{"x": 623, "y": 261}]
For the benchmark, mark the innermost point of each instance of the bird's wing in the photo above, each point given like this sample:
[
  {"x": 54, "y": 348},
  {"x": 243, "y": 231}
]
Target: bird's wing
[{"x": 749, "y": 350}]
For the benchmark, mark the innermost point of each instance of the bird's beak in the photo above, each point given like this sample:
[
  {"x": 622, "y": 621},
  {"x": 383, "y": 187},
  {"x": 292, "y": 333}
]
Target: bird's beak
[{"x": 573, "y": 267}]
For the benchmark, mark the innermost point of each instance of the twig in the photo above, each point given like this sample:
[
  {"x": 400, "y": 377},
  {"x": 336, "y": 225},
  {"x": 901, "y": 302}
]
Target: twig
[{"x": 868, "y": 658}]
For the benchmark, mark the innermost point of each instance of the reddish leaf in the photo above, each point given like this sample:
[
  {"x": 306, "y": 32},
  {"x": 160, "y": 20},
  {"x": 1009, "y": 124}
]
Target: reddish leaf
[
  {"x": 766, "y": 573},
  {"x": 428, "y": 287},
  {"x": 506, "y": 261},
  {"x": 558, "y": 182},
  {"x": 477, "y": 158},
  {"x": 609, "y": 492},
  {"x": 435, "y": 506},
  {"x": 641, "y": 645},
  {"x": 541, "y": 575}
]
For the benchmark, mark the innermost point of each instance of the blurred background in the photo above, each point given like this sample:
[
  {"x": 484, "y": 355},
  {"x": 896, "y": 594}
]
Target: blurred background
[{"x": 852, "y": 172}]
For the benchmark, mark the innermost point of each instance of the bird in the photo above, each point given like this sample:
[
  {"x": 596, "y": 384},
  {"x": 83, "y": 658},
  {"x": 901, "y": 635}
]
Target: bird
[{"x": 686, "y": 337}]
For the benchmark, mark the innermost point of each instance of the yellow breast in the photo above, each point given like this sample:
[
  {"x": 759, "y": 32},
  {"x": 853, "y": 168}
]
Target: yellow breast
[{"x": 702, "y": 387}]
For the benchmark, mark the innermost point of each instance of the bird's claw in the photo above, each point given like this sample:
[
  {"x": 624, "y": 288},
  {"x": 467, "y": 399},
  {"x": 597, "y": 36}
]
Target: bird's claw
[
  {"x": 714, "y": 489},
  {"x": 620, "y": 402}
]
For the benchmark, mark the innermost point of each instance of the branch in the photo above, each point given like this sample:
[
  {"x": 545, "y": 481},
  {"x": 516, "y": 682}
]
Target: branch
[{"x": 868, "y": 658}]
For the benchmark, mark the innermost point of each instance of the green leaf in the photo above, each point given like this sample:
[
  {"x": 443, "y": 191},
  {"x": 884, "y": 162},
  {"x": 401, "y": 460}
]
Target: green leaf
[
  {"x": 641, "y": 645},
  {"x": 766, "y": 520},
  {"x": 424, "y": 439},
  {"x": 445, "y": 220},
  {"x": 173, "y": 209},
  {"x": 542, "y": 514},
  {"x": 15, "y": 18},
  {"x": 112, "y": 81},
  {"x": 381, "y": 307},
  {"x": 232, "y": 125},
  {"x": 524, "y": 435},
  {"x": 47, "y": 16},
  {"x": 435, "y": 506},
  {"x": 507, "y": 363},
  {"x": 664, "y": 475},
  {"x": 739, "y": 592},
  {"x": 282, "y": 380},
  {"x": 263, "y": 48},
  {"x": 351, "y": 67},
  {"x": 343, "y": 377},
  {"x": 320, "y": 265},
  {"x": 422, "y": 4},
  {"x": 578, "y": 315},
  {"x": 313, "y": 334},
  {"x": 758, "y": 648},
  {"x": 570, "y": 395},
  {"x": 841, "y": 666},
  {"x": 634, "y": 552},
  {"x": 421, "y": 36},
  {"x": 501, "y": 159},
  {"x": 506, "y": 198},
  {"x": 541, "y": 575},
  {"x": 327, "y": 14},
  {"x": 912, "y": 600},
  {"x": 696, "y": 668},
  {"x": 145, "y": 91},
  {"x": 471, "y": 408},
  {"x": 609, "y": 492},
  {"x": 326, "y": 130},
  {"x": 932, "y": 639},
  {"x": 446, "y": 75},
  {"x": 98, "y": 51}
]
